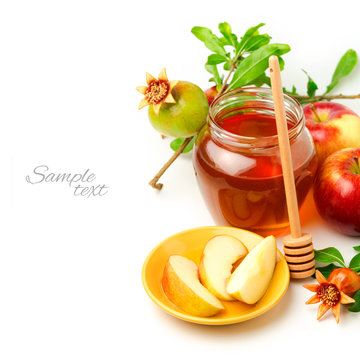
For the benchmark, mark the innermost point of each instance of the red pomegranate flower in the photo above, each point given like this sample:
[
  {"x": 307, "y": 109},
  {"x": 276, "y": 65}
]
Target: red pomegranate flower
[{"x": 330, "y": 296}]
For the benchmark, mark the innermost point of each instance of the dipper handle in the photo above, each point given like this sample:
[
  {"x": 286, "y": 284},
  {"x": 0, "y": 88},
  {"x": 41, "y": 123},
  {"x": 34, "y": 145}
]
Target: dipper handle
[{"x": 298, "y": 247}]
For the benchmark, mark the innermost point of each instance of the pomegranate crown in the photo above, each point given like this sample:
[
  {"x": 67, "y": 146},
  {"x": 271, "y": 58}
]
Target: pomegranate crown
[
  {"x": 157, "y": 91},
  {"x": 329, "y": 295}
]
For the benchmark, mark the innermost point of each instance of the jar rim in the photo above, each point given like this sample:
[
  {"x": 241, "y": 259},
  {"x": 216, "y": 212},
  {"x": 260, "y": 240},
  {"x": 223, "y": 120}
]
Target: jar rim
[{"x": 256, "y": 94}]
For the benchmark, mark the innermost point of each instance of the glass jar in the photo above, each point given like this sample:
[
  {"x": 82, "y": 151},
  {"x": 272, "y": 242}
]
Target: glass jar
[{"x": 237, "y": 161}]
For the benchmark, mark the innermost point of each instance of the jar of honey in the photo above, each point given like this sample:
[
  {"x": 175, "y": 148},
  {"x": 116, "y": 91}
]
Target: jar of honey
[{"x": 237, "y": 160}]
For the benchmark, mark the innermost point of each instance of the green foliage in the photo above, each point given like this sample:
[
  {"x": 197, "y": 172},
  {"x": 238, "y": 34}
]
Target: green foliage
[
  {"x": 329, "y": 255},
  {"x": 254, "y": 65},
  {"x": 246, "y": 41},
  {"x": 247, "y": 57},
  {"x": 175, "y": 144},
  {"x": 343, "y": 68},
  {"x": 356, "y": 306},
  {"x": 212, "y": 69},
  {"x": 355, "y": 263},
  {"x": 211, "y": 41},
  {"x": 229, "y": 37},
  {"x": 311, "y": 86}
]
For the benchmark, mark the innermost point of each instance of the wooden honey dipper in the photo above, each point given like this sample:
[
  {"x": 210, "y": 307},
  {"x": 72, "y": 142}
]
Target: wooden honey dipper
[{"x": 298, "y": 247}]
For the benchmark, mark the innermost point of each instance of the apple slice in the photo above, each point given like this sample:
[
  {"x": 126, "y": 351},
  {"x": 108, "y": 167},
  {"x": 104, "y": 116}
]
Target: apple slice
[
  {"x": 182, "y": 286},
  {"x": 250, "y": 280},
  {"x": 217, "y": 259}
]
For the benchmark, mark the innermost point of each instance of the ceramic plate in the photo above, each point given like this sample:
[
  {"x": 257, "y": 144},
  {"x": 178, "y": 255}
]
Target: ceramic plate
[{"x": 190, "y": 243}]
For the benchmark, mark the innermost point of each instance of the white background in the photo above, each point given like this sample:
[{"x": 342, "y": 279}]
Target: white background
[{"x": 70, "y": 267}]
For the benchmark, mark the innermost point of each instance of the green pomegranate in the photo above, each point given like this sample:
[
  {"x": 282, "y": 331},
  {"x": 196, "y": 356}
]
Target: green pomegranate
[{"x": 177, "y": 108}]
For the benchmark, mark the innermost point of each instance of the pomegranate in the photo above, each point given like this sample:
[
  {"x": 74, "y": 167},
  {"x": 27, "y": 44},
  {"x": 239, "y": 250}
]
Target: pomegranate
[{"x": 176, "y": 108}]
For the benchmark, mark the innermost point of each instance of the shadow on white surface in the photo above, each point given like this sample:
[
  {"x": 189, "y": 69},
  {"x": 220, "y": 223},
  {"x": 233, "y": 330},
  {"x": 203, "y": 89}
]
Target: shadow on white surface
[{"x": 226, "y": 332}]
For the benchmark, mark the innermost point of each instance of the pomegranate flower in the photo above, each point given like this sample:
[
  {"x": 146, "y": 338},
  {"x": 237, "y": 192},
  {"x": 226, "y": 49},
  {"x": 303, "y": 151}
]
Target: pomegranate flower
[
  {"x": 157, "y": 92},
  {"x": 330, "y": 296}
]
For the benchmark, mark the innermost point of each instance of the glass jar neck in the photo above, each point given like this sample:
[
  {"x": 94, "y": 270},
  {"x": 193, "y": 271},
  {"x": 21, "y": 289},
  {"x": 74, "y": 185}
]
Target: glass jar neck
[{"x": 255, "y": 101}]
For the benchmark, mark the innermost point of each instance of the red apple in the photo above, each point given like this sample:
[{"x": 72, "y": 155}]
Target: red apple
[
  {"x": 332, "y": 126},
  {"x": 337, "y": 191},
  {"x": 211, "y": 94}
]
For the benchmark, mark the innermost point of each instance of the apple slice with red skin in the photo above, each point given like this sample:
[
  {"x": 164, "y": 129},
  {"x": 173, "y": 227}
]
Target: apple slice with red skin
[
  {"x": 332, "y": 126},
  {"x": 182, "y": 286},
  {"x": 337, "y": 191}
]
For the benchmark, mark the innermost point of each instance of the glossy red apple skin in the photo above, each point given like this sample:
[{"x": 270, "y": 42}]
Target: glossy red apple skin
[
  {"x": 337, "y": 191},
  {"x": 339, "y": 127},
  {"x": 211, "y": 94}
]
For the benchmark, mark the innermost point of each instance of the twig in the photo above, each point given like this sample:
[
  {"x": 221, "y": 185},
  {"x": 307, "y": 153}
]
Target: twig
[
  {"x": 324, "y": 97},
  {"x": 223, "y": 86},
  {"x": 154, "y": 182}
]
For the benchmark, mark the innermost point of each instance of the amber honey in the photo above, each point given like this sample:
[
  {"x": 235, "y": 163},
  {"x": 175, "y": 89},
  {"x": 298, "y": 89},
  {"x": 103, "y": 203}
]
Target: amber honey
[{"x": 237, "y": 161}]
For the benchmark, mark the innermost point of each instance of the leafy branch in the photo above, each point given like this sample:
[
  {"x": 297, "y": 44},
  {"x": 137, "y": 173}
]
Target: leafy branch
[
  {"x": 245, "y": 58},
  {"x": 249, "y": 57},
  {"x": 344, "y": 67}
]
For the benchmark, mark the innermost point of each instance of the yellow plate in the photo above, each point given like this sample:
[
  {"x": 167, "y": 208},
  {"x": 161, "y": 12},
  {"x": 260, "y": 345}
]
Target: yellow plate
[{"x": 190, "y": 243}]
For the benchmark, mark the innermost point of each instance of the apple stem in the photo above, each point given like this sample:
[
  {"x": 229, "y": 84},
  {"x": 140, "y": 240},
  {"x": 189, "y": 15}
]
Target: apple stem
[
  {"x": 317, "y": 117},
  {"x": 357, "y": 165}
]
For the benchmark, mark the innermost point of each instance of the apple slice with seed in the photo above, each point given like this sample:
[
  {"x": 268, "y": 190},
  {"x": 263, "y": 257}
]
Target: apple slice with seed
[
  {"x": 250, "y": 280},
  {"x": 216, "y": 264}
]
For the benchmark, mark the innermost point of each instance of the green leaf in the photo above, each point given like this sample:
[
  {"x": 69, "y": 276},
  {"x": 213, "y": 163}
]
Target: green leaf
[
  {"x": 211, "y": 41},
  {"x": 225, "y": 41},
  {"x": 225, "y": 29},
  {"x": 175, "y": 144},
  {"x": 261, "y": 80},
  {"x": 355, "y": 263},
  {"x": 292, "y": 92},
  {"x": 329, "y": 255},
  {"x": 326, "y": 270},
  {"x": 215, "y": 59},
  {"x": 356, "y": 306},
  {"x": 343, "y": 68},
  {"x": 243, "y": 45},
  {"x": 356, "y": 248},
  {"x": 257, "y": 41},
  {"x": 212, "y": 69},
  {"x": 311, "y": 86},
  {"x": 255, "y": 64},
  {"x": 227, "y": 65},
  {"x": 281, "y": 63}
]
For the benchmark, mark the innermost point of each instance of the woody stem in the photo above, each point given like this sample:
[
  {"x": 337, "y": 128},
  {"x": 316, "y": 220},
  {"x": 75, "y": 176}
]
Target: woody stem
[
  {"x": 304, "y": 98},
  {"x": 154, "y": 182}
]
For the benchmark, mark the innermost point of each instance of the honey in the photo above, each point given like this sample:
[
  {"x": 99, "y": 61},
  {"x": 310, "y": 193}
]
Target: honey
[{"x": 237, "y": 161}]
